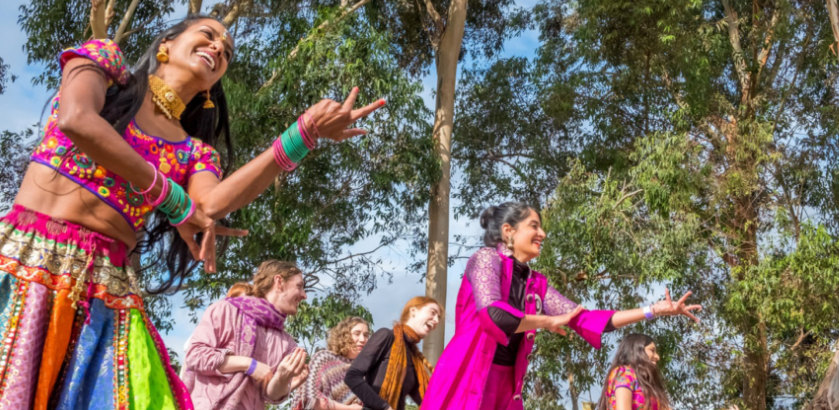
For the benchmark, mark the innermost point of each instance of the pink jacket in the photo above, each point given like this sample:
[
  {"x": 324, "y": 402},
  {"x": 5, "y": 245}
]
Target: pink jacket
[
  {"x": 216, "y": 337},
  {"x": 461, "y": 373}
]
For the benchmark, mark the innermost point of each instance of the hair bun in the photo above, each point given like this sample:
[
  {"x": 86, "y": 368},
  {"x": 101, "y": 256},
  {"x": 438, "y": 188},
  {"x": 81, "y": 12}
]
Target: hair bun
[{"x": 487, "y": 215}]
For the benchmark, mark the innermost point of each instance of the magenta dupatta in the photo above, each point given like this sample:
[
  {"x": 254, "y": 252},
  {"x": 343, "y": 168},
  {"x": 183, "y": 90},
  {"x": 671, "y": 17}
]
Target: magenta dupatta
[{"x": 461, "y": 373}]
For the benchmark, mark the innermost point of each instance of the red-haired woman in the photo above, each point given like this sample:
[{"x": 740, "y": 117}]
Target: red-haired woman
[{"x": 390, "y": 367}]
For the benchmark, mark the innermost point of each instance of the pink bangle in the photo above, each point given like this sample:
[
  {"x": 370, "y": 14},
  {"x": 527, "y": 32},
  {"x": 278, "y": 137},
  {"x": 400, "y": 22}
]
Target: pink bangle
[
  {"x": 314, "y": 125},
  {"x": 162, "y": 197},
  {"x": 153, "y": 183},
  {"x": 307, "y": 139},
  {"x": 281, "y": 158}
]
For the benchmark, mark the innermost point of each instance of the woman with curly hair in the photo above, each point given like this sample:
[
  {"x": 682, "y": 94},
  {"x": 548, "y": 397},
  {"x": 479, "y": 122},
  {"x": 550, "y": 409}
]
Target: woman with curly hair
[{"x": 325, "y": 388}]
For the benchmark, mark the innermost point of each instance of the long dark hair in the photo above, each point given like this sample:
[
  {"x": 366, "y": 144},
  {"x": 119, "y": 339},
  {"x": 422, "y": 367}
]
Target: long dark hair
[
  {"x": 631, "y": 354},
  {"x": 494, "y": 217},
  {"x": 212, "y": 126}
]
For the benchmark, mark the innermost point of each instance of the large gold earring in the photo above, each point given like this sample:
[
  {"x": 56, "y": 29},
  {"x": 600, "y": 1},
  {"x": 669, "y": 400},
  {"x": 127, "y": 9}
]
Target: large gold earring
[
  {"x": 510, "y": 242},
  {"x": 209, "y": 103},
  {"x": 163, "y": 54}
]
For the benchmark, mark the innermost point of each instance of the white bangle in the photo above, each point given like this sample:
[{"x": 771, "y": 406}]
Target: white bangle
[{"x": 648, "y": 312}]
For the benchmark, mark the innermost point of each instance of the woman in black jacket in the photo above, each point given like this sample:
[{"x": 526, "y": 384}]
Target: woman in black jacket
[{"x": 390, "y": 367}]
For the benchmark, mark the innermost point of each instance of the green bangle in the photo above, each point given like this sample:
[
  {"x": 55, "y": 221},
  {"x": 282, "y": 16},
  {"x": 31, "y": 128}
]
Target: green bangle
[
  {"x": 183, "y": 214},
  {"x": 293, "y": 144}
]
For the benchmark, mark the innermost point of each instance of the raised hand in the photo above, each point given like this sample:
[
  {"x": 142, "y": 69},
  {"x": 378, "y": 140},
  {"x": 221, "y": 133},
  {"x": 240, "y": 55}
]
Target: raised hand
[
  {"x": 667, "y": 307},
  {"x": 201, "y": 223},
  {"x": 332, "y": 118},
  {"x": 290, "y": 367}
]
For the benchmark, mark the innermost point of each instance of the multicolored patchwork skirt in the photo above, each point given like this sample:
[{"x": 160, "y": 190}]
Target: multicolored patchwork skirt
[{"x": 74, "y": 331}]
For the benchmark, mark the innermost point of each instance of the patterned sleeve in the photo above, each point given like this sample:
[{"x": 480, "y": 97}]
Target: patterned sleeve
[
  {"x": 590, "y": 324},
  {"x": 204, "y": 158},
  {"x": 624, "y": 377},
  {"x": 307, "y": 395},
  {"x": 556, "y": 304},
  {"x": 483, "y": 271},
  {"x": 104, "y": 52}
]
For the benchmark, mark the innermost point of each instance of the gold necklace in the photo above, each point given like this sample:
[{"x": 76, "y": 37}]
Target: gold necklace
[{"x": 165, "y": 98}]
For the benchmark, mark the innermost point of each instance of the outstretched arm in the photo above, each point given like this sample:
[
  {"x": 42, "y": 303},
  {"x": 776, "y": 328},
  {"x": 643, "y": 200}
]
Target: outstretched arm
[
  {"x": 664, "y": 307},
  {"x": 219, "y": 198}
]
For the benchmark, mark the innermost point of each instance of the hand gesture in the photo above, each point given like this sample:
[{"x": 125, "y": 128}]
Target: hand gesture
[
  {"x": 298, "y": 380},
  {"x": 666, "y": 307},
  {"x": 557, "y": 322},
  {"x": 291, "y": 367},
  {"x": 332, "y": 118},
  {"x": 201, "y": 223}
]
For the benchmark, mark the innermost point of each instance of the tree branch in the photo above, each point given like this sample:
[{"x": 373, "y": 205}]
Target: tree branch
[
  {"x": 240, "y": 8},
  {"x": 435, "y": 16},
  {"x": 833, "y": 12},
  {"x": 126, "y": 20},
  {"x": 98, "y": 12},
  {"x": 323, "y": 26},
  {"x": 733, "y": 24},
  {"x": 195, "y": 6},
  {"x": 109, "y": 13}
]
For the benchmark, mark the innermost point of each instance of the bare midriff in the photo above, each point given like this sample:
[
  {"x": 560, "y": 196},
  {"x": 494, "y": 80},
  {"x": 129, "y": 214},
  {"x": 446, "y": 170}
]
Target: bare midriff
[{"x": 46, "y": 191}]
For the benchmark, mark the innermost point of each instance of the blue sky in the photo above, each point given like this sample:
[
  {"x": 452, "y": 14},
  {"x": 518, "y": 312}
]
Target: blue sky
[{"x": 21, "y": 105}]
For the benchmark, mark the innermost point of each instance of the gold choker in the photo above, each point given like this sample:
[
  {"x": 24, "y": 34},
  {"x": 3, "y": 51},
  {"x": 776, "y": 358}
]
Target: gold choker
[{"x": 166, "y": 99}]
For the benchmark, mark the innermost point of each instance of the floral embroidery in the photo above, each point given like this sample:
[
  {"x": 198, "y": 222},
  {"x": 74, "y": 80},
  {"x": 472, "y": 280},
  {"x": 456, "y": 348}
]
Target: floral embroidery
[
  {"x": 484, "y": 273},
  {"x": 176, "y": 160},
  {"x": 624, "y": 377},
  {"x": 105, "y": 52}
]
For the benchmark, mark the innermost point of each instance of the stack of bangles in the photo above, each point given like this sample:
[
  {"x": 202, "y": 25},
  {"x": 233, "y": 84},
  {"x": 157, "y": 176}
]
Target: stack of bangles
[
  {"x": 295, "y": 143},
  {"x": 173, "y": 200}
]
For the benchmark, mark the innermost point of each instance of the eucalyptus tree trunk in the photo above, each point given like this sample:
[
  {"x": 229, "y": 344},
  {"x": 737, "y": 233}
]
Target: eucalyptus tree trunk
[{"x": 447, "y": 53}]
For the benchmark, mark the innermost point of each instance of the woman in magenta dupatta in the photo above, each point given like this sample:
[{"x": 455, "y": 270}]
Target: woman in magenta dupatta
[{"x": 500, "y": 305}]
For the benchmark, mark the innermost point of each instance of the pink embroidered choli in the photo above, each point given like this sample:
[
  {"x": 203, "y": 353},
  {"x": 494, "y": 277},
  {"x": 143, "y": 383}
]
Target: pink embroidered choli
[
  {"x": 460, "y": 376},
  {"x": 176, "y": 160}
]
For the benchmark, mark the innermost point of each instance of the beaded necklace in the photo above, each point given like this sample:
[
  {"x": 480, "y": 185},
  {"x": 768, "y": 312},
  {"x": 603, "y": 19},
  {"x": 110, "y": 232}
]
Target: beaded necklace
[{"x": 165, "y": 98}]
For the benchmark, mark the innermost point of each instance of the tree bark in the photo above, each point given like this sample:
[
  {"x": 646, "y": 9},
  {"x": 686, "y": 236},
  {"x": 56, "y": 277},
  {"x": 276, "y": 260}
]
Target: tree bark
[
  {"x": 195, "y": 6},
  {"x": 833, "y": 12},
  {"x": 126, "y": 21},
  {"x": 438, "y": 208},
  {"x": 98, "y": 11},
  {"x": 827, "y": 397}
]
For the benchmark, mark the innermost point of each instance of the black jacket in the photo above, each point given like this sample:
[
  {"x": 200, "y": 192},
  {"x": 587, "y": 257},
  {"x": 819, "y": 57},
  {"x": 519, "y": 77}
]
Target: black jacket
[{"x": 367, "y": 372}]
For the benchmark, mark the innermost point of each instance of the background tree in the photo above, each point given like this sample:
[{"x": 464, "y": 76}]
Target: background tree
[
  {"x": 289, "y": 56},
  {"x": 434, "y": 31}
]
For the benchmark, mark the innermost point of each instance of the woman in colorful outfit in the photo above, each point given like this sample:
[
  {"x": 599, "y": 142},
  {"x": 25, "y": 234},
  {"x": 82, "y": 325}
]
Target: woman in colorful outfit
[
  {"x": 240, "y": 356},
  {"x": 634, "y": 381},
  {"x": 391, "y": 367},
  {"x": 500, "y": 305},
  {"x": 325, "y": 389},
  {"x": 117, "y": 146}
]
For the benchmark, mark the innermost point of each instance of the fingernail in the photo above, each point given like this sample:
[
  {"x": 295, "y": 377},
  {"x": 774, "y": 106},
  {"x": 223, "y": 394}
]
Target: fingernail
[{"x": 382, "y": 101}]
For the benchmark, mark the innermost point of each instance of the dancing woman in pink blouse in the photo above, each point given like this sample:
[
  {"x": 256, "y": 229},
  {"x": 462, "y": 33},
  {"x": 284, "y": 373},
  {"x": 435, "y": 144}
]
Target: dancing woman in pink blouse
[
  {"x": 501, "y": 304},
  {"x": 123, "y": 151}
]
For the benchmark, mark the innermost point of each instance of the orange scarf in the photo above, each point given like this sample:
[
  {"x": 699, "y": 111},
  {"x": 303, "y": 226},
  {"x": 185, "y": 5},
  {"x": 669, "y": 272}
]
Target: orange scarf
[{"x": 394, "y": 376}]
